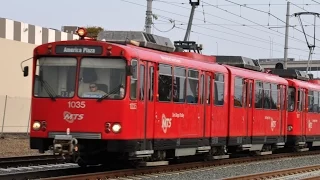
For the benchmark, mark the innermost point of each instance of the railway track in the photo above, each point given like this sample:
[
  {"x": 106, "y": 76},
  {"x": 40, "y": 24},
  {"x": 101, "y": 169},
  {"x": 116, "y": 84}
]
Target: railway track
[
  {"x": 176, "y": 168},
  {"x": 28, "y": 160},
  {"x": 281, "y": 174}
]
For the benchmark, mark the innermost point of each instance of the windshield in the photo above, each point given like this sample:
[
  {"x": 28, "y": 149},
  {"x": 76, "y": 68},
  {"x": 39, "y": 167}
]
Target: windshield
[
  {"x": 102, "y": 77},
  {"x": 55, "y": 77}
]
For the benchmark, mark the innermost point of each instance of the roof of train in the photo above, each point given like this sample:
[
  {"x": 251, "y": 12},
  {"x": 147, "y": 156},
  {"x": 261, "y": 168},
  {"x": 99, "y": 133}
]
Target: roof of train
[
  {"x": 305, "y": 84},
  {"x": 256, "y": 75}
]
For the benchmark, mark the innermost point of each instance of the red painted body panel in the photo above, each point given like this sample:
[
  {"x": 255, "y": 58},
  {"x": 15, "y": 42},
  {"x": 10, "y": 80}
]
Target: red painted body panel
[
  {"x": 246, "y": 121},
  {"x": 304, "y": 123}
]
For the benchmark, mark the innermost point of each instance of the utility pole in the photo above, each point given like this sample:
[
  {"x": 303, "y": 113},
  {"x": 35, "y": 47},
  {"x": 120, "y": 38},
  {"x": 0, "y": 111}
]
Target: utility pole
[
  {"x": 148, "y": 22},
  {"x": 286, "y": 37},
  {"x": 194, "y": 4}
]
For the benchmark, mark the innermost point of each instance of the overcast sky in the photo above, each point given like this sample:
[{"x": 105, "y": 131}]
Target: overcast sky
[{"x": 222, "y": 26}]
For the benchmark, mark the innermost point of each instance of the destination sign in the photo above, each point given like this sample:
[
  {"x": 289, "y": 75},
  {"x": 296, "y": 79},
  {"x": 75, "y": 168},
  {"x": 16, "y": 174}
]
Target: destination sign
[{"x": 67, "y": 49}]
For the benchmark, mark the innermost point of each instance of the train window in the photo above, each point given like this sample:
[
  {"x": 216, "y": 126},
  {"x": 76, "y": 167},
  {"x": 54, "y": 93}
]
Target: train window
[
  {"x": 258, "y": 94},
  {"x": 133, "y": 85},
  {"x": 291, "y": 99},
  {"x": 219, "y": 89},
  {"x": 202, "y": 91},
  {"x": 238, "y": 92},
  {"x": 141, "y": 82},
  {"x": 151, "y": 84},
  {"x": 63, "y": 69},
  {"x": 266, "y": 96},
  {"x": 192, "y": 86},
  {"x": 179, "y": 84},
  {"x": 319, "y": 103},
  {"x": 250, "y": 95},
  {"x": 316, "y": 101},
  {"x": 208, "y": 89},
  {"x": 311, "y": 102},
  {"x": 274, "y": 96},
  {"x": 165, "y": 83}
]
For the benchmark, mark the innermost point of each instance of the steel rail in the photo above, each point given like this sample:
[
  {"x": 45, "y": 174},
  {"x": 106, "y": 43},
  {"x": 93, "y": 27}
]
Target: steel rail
[
  {"x": 277, "y": 174},
  {"x": 178, "y": 167},
  {"x": 28, "y": 160}
]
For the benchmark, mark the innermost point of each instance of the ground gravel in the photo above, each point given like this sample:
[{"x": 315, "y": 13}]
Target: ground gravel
[
  {"x": 243, "y": 169},
  {"x": 12, "y": 145}
]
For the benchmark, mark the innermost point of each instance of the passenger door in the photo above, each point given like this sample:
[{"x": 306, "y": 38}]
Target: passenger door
[
  {"x": 302, "y": 109},
  {"x": 281, "y": 108},
  {"x": 201, "y": 107},
  {"x": 207, "y": 106},
  {"x": 249, "y": 107},
  {"x": 146, "y": 102}
]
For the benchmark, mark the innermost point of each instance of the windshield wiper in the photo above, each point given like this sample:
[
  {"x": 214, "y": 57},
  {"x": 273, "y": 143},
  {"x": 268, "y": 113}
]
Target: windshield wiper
[
  {"x": 116, "y": 89},
  {"x": 48, "y": 88}
]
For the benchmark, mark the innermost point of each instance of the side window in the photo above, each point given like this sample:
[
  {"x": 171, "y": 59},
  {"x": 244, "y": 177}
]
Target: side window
[
  {"x": 299, "y": 99},
  {"x": 134, "y": 78},
  {"x": 250, "y": 95},
  {"x": 274, "y": 96},
  {"x": 291, "y": 98},
  {"x": 179, "y": 84},
  {"x": 141, "y": 82},
  {"x": 165, "y": 83},
  {"x": 266, "y": 96},
  {"x": 219, "y": 89},
  {"x": 319, "y": 103},
  {"x": 192, "y": 86},
  {"x": 202, "y": 90},
  {"x": 208, "y": 85},
  {"x": 316, "y": 102},
  {"x": 258, "y": 94},
  {"x": 238, "y": 92},
  {"x": 151, "y": 84},
  {"x": 311, "y": 101}
]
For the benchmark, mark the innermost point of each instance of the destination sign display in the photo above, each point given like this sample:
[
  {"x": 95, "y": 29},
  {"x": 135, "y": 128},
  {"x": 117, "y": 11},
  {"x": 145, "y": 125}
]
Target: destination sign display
[{"x": 68, "y": 49}]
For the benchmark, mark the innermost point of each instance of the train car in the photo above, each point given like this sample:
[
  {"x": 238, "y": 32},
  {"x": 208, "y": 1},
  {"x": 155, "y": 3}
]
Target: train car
[
  {"x": 303, "y": 115},
  {"x": 96, "y": 101},
  {"x": 303, "y": 109},
  {"x": 257, "y": 113}
]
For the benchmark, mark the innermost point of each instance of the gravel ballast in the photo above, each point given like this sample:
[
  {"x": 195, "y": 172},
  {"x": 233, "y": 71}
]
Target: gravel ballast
[
  {"x": 13, "y": 145},
  {"x": 243, "y": 169}
]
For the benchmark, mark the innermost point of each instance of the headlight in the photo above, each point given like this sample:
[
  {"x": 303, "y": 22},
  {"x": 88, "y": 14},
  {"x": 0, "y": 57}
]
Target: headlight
[
  {"x": 290, "y": 128},
  {"x": 36, "y": 125},
  {"x": 116, "y": 128}
]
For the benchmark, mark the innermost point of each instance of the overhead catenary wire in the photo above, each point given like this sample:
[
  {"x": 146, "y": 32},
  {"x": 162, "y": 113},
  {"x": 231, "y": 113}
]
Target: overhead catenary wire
[
  {"x": 282, "y": 34},
  {"x": 199, "y": 33}
]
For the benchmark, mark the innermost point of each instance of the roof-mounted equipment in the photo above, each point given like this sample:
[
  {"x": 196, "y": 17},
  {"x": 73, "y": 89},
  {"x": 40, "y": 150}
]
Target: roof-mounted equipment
[
  {"x": 289, "y": 73},
  {"x": 187, "y": 45},
  {"x": 240, "y": 61},
  {"x": 143, "y": 39}
]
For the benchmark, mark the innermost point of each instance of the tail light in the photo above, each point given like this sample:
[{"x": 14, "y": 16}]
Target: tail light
[
  {"x": 115, "y": 127},
  {"x": 37, "y": 125},
  {"x": 43, "y": 125},
  {"x": 107, "y": 128}
]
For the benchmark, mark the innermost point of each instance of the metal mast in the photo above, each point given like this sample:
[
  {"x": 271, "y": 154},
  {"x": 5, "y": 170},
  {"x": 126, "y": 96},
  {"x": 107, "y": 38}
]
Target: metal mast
[
  {"x": 148, "y": 22},
  {"x": 286, "y": 37}
]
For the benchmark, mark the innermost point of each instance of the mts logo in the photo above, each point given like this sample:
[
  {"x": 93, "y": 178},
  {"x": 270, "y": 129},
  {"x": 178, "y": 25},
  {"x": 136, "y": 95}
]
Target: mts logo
[{"x": 69, "y": 117}]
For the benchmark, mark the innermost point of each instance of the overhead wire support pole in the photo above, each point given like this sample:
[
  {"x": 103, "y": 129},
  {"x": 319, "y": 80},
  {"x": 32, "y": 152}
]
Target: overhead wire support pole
[
  {"x": 148, "y": 22},
  {"x": 194, "y": 4},
  {"x": 310, "y": 46},
  {"x": 286, "y": 37}
]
